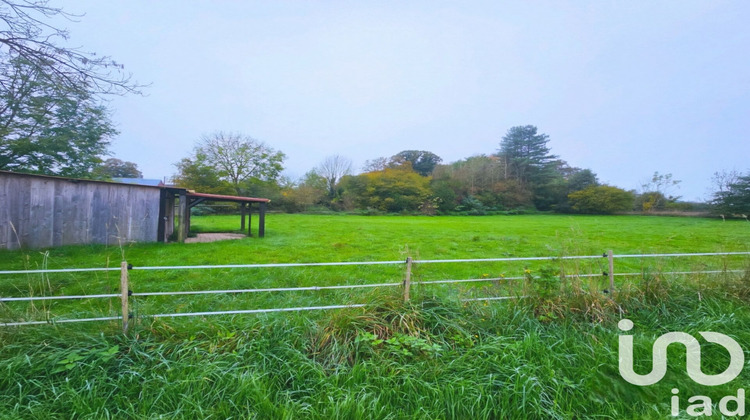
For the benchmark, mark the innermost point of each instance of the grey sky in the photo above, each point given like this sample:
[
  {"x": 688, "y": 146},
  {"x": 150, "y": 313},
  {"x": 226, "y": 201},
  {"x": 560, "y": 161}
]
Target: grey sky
[{"x": 623, "y": 88}]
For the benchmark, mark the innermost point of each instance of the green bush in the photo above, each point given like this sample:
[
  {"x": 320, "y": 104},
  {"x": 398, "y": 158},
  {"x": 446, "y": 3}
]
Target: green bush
[{"x": 602, "y": 199}]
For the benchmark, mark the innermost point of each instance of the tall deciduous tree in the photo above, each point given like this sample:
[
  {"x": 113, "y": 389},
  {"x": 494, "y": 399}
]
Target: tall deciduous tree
[
  {"x": 422, "y": 161},
  {"x": 47, "y": 126},
  {"x": 580, "y": 179},
  {"x": 116, "y": 168},
  {"x": 238, "y": 158},
  {"x": 51, "y": 118},
  {"x": 195, "y": 174}
]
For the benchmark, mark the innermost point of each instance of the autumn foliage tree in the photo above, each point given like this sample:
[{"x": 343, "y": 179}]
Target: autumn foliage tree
[
  {"x": 390, "y": 190},
  {"x": 601, "y": 199},
  {"x": 479, "y": 178}
]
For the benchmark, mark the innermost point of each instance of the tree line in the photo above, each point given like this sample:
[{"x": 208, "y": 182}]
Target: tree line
[{"x": 521, "y": 175}]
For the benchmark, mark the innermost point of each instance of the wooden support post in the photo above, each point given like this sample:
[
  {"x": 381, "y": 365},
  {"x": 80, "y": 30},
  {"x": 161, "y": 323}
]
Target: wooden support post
[
  {"x": 169, "y": 217},
  {"x": 124, "y": 295},
  {"x": 161, "y": 226},
  {"x": 249, "y": 219},
  {"x": 182, "y": 218},
  {"x": 262, "y": 220},
  {"x": 611, "y": 259},
  {"x": 187, "y": 217},
  {"x": 179, "y": 221},
  {"x": 407, "y": 279},
  {"x": 242, "y": 217}
]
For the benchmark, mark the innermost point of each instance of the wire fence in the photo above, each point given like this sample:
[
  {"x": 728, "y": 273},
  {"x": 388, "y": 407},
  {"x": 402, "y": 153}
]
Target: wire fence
[{"x": 125, "y": 292}]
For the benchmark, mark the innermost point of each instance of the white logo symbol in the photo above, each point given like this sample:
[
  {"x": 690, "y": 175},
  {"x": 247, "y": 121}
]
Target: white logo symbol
[{"x": 693, "y": 357}]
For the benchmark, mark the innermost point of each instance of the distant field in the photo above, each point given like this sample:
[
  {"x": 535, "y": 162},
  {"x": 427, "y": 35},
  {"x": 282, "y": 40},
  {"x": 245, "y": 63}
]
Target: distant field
[
  {"x": 548, "y": 356},
  {"x": 310, "y": 238},
  {"x": 488, "y": 236}
]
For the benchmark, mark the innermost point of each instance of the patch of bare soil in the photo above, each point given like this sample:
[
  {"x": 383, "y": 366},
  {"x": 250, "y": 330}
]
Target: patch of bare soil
[{"x": 213, "y": 237}]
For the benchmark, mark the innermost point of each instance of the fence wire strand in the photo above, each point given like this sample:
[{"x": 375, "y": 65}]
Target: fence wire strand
[
  {"x": 334, "y": 287},
  {"x": 355, "y": 263}
]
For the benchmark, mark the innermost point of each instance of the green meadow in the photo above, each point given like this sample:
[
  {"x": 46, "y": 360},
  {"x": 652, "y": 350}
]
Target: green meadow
[
  {"x": 324, "y": 238},
  {"x": 551, "y": 354}
]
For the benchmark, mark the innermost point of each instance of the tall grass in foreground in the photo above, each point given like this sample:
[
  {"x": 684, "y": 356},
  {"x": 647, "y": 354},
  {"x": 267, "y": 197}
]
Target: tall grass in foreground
[{"x": 551, "y": 356}]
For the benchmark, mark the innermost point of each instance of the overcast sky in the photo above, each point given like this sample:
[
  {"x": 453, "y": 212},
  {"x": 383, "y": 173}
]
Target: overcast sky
[{"x": 624, "y": 88}]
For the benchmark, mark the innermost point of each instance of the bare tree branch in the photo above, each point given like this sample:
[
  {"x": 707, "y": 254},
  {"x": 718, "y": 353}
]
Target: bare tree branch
[
  {"x": 25, "y": 34},
  {"x": 332, "y": 170}
]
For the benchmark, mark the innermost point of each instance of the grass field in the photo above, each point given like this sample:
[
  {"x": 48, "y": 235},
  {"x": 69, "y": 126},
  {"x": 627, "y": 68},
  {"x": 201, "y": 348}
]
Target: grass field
[{"x": 553, "y": 355}]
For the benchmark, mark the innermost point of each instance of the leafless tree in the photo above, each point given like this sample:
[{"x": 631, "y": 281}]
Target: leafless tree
[
  {"x": 664, "y": 184},
  {"x": 722, "y": 180},
  {"x": 657, "y": 192},
  {"x": 332, "y": 170},
  {"x": 26, "y": 34}
]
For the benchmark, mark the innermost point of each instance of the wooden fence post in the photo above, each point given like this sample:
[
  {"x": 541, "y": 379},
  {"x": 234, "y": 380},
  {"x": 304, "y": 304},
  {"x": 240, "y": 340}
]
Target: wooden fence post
[
  {"x": 611, "y": 259},
  {"x": 407, "y": 279},
  {"x": 124, "y": 295}
]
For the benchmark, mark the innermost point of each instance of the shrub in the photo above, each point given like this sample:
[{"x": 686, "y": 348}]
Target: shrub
[
  {"x": 603, "y": 199},
  {"x": 472, "y": 206},
  {"x": 391, "y": 190}
]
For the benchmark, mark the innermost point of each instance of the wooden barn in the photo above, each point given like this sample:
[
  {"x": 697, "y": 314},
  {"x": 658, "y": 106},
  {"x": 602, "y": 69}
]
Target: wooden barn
[{"x": 38, "y": 211}]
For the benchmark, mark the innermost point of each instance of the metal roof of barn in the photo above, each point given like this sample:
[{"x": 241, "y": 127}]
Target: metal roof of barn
[
  {"x": 141, "y": 181},
  {"x": 97, "y": 181}
]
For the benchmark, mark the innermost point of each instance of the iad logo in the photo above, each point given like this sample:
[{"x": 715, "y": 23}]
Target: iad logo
[
  {"x": 693, "y": 362},
  {"x": 693, "y": 366}
]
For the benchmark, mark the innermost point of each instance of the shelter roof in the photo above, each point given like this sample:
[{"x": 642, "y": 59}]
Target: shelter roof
[{"x": 234, "y": 198}]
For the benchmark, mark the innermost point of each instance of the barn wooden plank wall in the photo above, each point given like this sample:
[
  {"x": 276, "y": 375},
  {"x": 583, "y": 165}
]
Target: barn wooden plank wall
[{"x": 41, "y": 212}]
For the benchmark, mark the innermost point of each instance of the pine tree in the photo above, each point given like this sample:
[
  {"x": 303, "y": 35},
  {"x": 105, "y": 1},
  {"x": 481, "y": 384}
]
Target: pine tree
[{"x": 526, "y": 155}]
